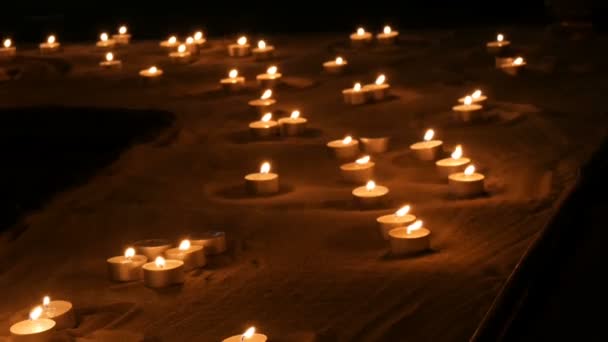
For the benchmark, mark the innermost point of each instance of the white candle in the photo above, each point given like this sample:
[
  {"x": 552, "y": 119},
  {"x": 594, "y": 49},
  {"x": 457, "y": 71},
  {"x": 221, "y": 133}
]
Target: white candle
[
  {"x": 428, "y": 149},
  {"x": 467, "y": 183},
  {"x": 498, "y": 45},
  {"x": 50, "y": 46},
  {"x": 105, "y": 42},
  {"x": 379, "y": 89},
  {"x": 171, "y": 43},
  {"x": 370, "y": 195},
  {"x": 344, "y": 149},
  {"x": 152, "y": 248},
  {"x": 7, "y": 50},
  {"x": 126, "y": 267},
  {"x": 60, "y": 311},
  {"x": 409, "y": 240},
  {"x": 355, "y": 95},
  {"x": 152, "y": 73},
  {"x": 375, "y": 145},
  {"x": 110, "y": 62},
  {"x": 360, "y": 38},
  {"x": 213, "y": 242},
  {"x": 270, "y": 78},
  {"x": 240, "y": 49},
  {"x": 264, "y": 103},
  {"x": 233, "y": 82},
  {"x": 265, "y": 127},
  {"x": 193, "y": 256},
  {"x": 468, "y": 111},
  {"x": 388, "y": 36},
  {"x": 358, "y": 172},
  {"x": 293, "y": 125},
  {"x": 514, "y": 66},
  {"x": 34, "y": 329},
  {"x": 263, "y": 182},
  {"x": 248, "y": 336},
  {"x": 477, "y": 97},
  {"x": 122, "y": 38},
  {"x": 182, "y": 55},
  {"x": 336, "y": 66},
  {"x": 455, "y": 163},
  {"x": 163, "y": 273},
  {"x": 400, "y": 218},
  {"x": 263, "y": 51}
]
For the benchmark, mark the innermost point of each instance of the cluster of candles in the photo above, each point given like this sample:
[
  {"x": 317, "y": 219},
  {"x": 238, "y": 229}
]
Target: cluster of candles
[
  {"x": 511, "y": 65},
  {"x": 362, "y": 38},
  {"x": 470, "y": 106},
  {"x": 267, "y": 80},
  {"x": 358, "y": 94},
  {"x": 43, "y": 320},
  {"x": 242, "y": 48},
  {"x": 266, "y": 127}
]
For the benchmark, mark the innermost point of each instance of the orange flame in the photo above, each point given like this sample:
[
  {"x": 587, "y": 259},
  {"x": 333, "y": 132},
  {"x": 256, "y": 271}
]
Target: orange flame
[
  {"x": 363, "y": 160},
  {"x": 261, "y": 44},
  {"x": 347, "y": 140},
  {"x": 184, "y": 245},
  {"x": 36, "y": 313},
  {"x": 242, "y": 41},
  {"x": 295, "y": 114},
  {"x": 387, "y": 29},
  {"x": 160, "y": 262},
  {"x": 403, "y": 211},
  {"x": 380, "y": 80},
  {"x": 457, "y": 154},
  {"x": 267, "y": 117},
  {"x": 265, "y": 168},
  {"x": 122, "y": 29},
  {"x": 414, "y": 226},
  {"x": 233, "y": 73},
  {"x": 129, "y": 252},
  {"x": 267, "y": 94},
  {"x": 7, "y": 43},
  {"x": 109, "y": 56},
  {"x": 429, "y": 134},
  {"x": 469, "y": 170}
]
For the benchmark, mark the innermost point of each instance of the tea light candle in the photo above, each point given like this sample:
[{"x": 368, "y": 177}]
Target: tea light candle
[
  {"x": 477, "y": 97},
  {"x": 269, "y": 79},
  {"x": 358, "y": 172},
  {"x": 50, "y": 46},
  {"x": 455, "y": 163},
  {"x": 127, "y": 267},
  {"x": 170, "y": 43},
  {"x": 467, "y": 111},
  {"x": 370, "y": 195},
  {"x": 360, "y": 38},
  {"x": 8, "y": 50},
  {"x": 151, "y": 73},
  {"x": 199, "y": 39},
  {"x": 122, "y": 38},
  {"x": 213, "y": 242},
  {"x": 375, "y": 145},
  {"x": 409, "y": 240},
  {"x": 514, "y": 67},
  {"x": 191, "y": 46},
  {"x": 379, "y": 89},
  {"x": 498, "y": 45},
  {"x": 152, "y": 248},
  {"x": 262, "y": 183},
  {"x": 428, "y": 149},
  {"x": 105, "y": 42},
  {"x": 263, "y": 51},
  {"x": 264, "y": 103},
  {"x": 467, "y": 183},
  {"x": 193, "y": 256},
  {"x": 234, "y": 82},
  {"x": 347, "y": 148},
  {"x": 182, "y": 55},
  {"x": 59, "y": 311},
  {"x": 163, "y": 273},
  {"x": 355, "y": 95},
  {"x": 293, "y": 125},
  {"x": 240, "y": 49},
  {"x": 265, "y": 127},
  {"x": 248, "y": 336},
  {"x": 336, "y": 66},
  {"x": 400, "y": 218},
  {"x": 110, "y": 62},
  {"x": 388, "y": 36},
  {"x": 34, "y": 329}
]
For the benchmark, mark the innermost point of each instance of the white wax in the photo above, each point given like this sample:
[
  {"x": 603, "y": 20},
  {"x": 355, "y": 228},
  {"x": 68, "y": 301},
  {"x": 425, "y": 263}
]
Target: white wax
[{"x": 463, "y": 185}]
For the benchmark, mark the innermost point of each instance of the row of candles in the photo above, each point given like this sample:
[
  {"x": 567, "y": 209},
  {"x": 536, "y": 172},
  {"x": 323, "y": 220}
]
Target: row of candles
[{"x": 510, "y": 65}]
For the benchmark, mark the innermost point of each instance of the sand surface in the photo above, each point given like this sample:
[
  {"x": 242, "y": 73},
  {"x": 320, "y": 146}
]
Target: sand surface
[{"x": 306, "y": 264}]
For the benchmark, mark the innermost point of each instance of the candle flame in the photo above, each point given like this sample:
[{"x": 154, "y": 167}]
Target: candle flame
[
  {"x": 518, "y": 61},
  {"x": 159, "y": 261},
  {"x": 46, "y": 300},
  {"x": 347, "y": 140},
  {"x": 414, "y": 226},
  {"x": 267, "y": 117},
  {"x": 7, "y": 43},
  {"x": 476, "y": 94},
  {"x": 468, "y": 100},
  {"x": 387, "y": 29},
  {"x": 339, "y": 60},
  {"x": 181, "y": 48},
  {"x": 122, "y": 30},
  {"x": 267, "y": 94},
  {"x": 500, "y": 37},
  {"x": 184, "y": 245},
  {"x": 363, "y": 160},
  {"x": 242, "y": 41},
  {"x": 457, "y": 154},
  {"x": 109, "y": 56},
  {"x": 403, "y": 211},
  {"x": 129, "y": 252},
  {"x": 265, "y": 168},
  {"x": 36, "y": 313},
  {"x": 261, "y": 44},
  {"x": 371, "y": 185},
  {"x": 360, "y": 31},
  {"x": 272, "y": 70},
  {"x": 249, "y": 333},
  {"x": 469, "y": 170},
  {"x": 172, "y": 40},
  {"x": 429, "y": 134},
  {"x": 103, "y": 37},
  {"x": 189, "y": 40},
  {"x": 198, "y": 35},
  {"x": 51, "y": 39},
  {"x": 357, "y": 87},
  {"x": 233, "y": 73},
  {"x": 295, "y": 114},
  {"x": 380, "y": 80},
  {"x": 153, "y": 70}
]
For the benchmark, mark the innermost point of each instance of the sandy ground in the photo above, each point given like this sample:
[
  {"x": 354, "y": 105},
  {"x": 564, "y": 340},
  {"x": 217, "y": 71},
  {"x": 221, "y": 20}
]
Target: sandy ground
[{"x": 306, "y": 264}]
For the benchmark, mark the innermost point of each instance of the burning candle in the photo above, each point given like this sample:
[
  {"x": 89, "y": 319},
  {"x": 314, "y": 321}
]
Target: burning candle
[
  {"x": 234, "y": 82},
  {"x": 182, "y": 55},
  {"x": 355, "y": 95},
  {"x": 265, "y": 127},
  {"x": 263, "y": 182},
  {"x": 8, "y": 50},
  {"x": 191, "y": 46},
  {"x": 152, "y": 73},
  {"x": 428, "y": 149},
  {"x": 344, "y": 149},
  {"x": 400, "y": 218},
  {"x": 375, "y": 145},
  {"x": 360, "y": 38},
  {"x": 105, "y": 42},
  {"x": 336, "y": 66},
  {"x": 370, "y": 195},
  {"x": 248, "y": 336},
  {"x": 468, "y": 111},
  {"x": 270, "y": 79},
  {"x": 379, "y": 89},
  {"x": 514, "y": 66},
  {"x": 264, "y": 103},
  {"x": 455, "y": 163},
  {"x": 193, "y": 256},
  {"x": 358, "y": 172},
  {"x": 409, "y": 240},
  {"x": 263, "y": 51},
  {"x": 477, "y": 97},
  {"x": 151, "y": 248},
  {"x": 199, "y": 39},
  {"x": 467, "y": 183},
  {"x": 33, "y": 329},
  {"x": 498, "y": 45},
  {"x": 293, "y": 125},
  {"x": 50, "y": 46},
  {"x": 163, "y": 273},
  {"x": 59, "y": 311},
  {"x": 122, "y": 37},
  {"x": 171, "y": 43},
  {"x": 110, "y": 62},
  {"x": 240, "y": 49},
  {"x": 387, "y": 36},
  {"x": 126, "y": 267},
  {"x": 213, "y": 242}
]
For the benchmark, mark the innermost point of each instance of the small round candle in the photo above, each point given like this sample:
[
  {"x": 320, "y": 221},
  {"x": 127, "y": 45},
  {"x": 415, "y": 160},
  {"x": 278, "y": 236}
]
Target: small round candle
[
  {"x": 122, "y": 37},
  {"x": 294, "y": 125},
  {"x": 498, "y": 45},
  {"x": 240, "y": 49},
  {"x": 375, "y": 145},
  {"x": 456, "y": 163},
  {"x": 409, "y": 240},
  {"x": 359, "y": 171},
  {"x": 478, "y": 97},
  {"x": 467, "y": 183},
  {"x": 213, "y": 242},
  {"x": 264, "y": 103},
  {"x": 151, "y": 248},
  {"x": 379, "y": 89},
  {"x": 105, "y": 42},
  {"x": 50, "y": 46},
  {"x": 163, "y": 273},
  {"x": 248, "y": 336},
  {"x": 199, "y": 39},
  {"x": 360, "y": 38},
  {"x": 182, "y": 55},
  {"x": 191, "y": 46},
  {"x": 514, "y": 67},
  {"x": 126, "y": 267},
  {"x": 193, "y": 256},
  {"x": 345, "y": 149},
  {"x": 265, "y": 127},
  {"x": 263, "y": 51},
  {"x": 336, "y": 66},
  {"x": 428, "y": 149},
  {"x": 270, "y": 78},
  {"x": 110, "y": 62},
  {"x": 399, "y": 219},
  {"x": 152, "y": 73},
  {"x": 34, "y": 329},
  {"x": 60, "y": 311},
  {"x": 387, "y": 36},
  {"x": 468, "y": 111},
  {"x": 355, "y": 95},
  {"x": 263, "y": 182},
  {"x": 233, "y": 82},
  {"x": 170, "y": 43},
  {"x": 370, "y": 195},
  {"x": 8, "y": 50}
]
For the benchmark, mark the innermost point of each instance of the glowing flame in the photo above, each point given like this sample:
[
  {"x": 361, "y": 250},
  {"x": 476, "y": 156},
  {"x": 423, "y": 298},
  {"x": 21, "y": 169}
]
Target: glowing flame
[
  {"x": 357, "y": 87},
  {"x": 339, "y": 60},
  {"x": 403, "y": 211},
  {"x": 153, "y": 70},
  {"x": 184, "y": 245},
  {"x": 46, "y": 301},
  {"x": 109, "y": 56},
  {"x": 469, "y": 170},
  {"x": 36, "y": 313},
  {"x": 347, "y": 140},
  {"x": 429, "y": 134},
  {"x": 122, "y": 30},
  {"x": 189, "y": 40},
  {"x": 457, "y": 152},
  {"x": 261, "y": 44},
  {"x": 233, "y": 73},
  {"x": 172, "y": 40},
  {"x": 267, "y": 94},
  {"x": 103, "y": 37},
  {"x": 371, "y": 185},
  {"x": 7, "y": 43},
  {"x": 181, "y": 48},
  {"x": 363, "y": 160},
  {"x": 198, "y": 35},
  {"x": 159, "y": 261},
  {"x": 380, "y": 80},
  {"x": 272, "y": 70},
  {"x": 500, "y": 37},
  {"x": 468, "y": 100},
  {"x": 387, "y": 29},
  {"x": 266, "y": 117},
  {"x": 242, "y": 41},
  {"x": 414, "y": 226},
  {"x": 249, "y": 333},
  {"x": 476, "y": 94},
  {"x": 265, "y": 168},
  {"x": 129, "y": 252},
  {"x": 360, "y": 31},
  {"x": 295, "y": 114},
  {"x": 51, "y": 39},
  {"x": 518, "y": 61}
]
